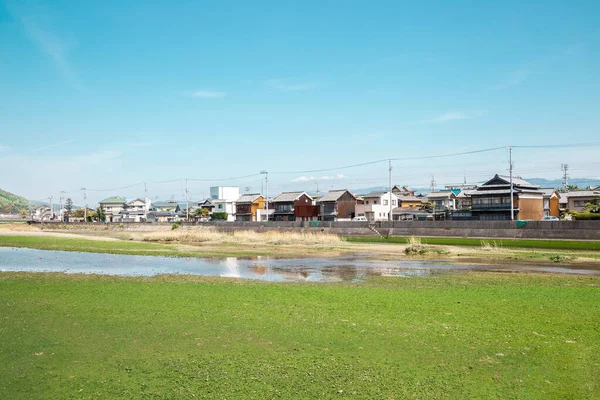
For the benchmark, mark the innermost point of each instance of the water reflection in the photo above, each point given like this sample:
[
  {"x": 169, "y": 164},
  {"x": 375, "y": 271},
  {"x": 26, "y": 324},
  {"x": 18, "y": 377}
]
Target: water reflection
[{"x": 262, "y": 268}]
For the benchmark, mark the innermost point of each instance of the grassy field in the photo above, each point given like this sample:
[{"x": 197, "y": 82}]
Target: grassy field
[
  {"x": 507, "y": 243},
  {"x": 459, "y": 336}
]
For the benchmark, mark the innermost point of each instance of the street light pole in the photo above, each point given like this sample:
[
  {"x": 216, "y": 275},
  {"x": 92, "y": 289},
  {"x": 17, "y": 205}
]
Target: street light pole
[
  {"x": 512, "y": 206},
  {"x": 390, "y": 173},
  {"x": 84, "y": 205}
]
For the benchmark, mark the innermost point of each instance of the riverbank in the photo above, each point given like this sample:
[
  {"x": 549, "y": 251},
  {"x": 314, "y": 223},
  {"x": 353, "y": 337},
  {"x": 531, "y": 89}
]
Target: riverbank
[
  {"x": 462, "y": 336},
  {"x": 202, "y": 242}
]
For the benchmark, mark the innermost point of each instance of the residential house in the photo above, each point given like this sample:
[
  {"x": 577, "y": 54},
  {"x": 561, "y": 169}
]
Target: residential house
[
  {"x": 113, "y": 206},
  {"x": 491, "y": 201},
  {"x": 306, "y": 208},
  {"x": 442, "y": 201},
  {"x": 164, "y": 211},
  {"x": 247, "y": 207},
  {"x": 377, "y": 205},
  {"x": 223, "y": 198},
  {"x": 135, "y": 211},
  {"x": 402, "y": 191},
  {"x": 551, "y": 202},
  {"x": 337, "y": 205},
  {"x": 285, "y": 206},
  {"x": 463, "y": 199},
  {"x": 409, "y": 201},
  {"x": 575, "y": 201},
  {"x": 43, "y": 213}
]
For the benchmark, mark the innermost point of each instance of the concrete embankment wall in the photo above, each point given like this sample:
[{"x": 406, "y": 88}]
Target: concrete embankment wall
[{"x": 582, "y": 230}]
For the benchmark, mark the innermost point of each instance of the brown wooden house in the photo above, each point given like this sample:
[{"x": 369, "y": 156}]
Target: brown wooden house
[
  {"x": 491, "y": 201},
  {"x": 337, "y": 205},
  {"x": 247, "y": 206},
  {"x": 291, "y": 206}
]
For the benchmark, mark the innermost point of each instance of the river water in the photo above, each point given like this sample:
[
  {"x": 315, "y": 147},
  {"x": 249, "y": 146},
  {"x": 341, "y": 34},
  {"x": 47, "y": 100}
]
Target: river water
[{"x": 261, "y": 268}]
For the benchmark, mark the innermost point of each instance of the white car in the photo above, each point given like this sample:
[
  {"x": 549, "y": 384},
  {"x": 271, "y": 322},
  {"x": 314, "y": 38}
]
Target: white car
[
  {"x": 550, "y": 218},
  {"x": 360, "y": 218}
]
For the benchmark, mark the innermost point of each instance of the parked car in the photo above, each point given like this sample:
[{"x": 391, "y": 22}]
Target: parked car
[
  {"x": 360, "y": 218},
  {"x": 550, "y": 218}
]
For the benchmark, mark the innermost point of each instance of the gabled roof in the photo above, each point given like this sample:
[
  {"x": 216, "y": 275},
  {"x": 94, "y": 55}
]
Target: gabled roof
[
  {"x": 466, "y": 193},
  {"x": 583, "y": 193},
  {"x": 375, "y": 194},
  {"x": 548, "y": 192},
  {"x": 505, "y": 180},
  {"x": 409, "y": 198},
  {"x": 288, "y": 197},
  {"x": 163, "y": 204},
  {"x": 114, "y": 200},
  {"x": 333, "y": 195},
  {"x": 248, "y": 198},
  {"x": 134, "y": 200},
  {"x": 441, "y": 195}
]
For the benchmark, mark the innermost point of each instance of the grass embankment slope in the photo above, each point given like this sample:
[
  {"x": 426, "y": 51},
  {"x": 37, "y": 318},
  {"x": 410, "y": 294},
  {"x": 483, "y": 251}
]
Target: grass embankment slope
[{"x": 460, "y": 336}]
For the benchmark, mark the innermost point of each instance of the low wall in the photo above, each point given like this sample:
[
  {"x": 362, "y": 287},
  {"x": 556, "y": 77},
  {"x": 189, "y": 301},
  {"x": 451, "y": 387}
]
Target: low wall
[{"x": 582, "y": 230}]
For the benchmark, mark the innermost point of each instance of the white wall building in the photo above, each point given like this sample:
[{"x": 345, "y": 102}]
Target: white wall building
[
  {"x": 376, "y": 205},
  {"x": 223, "y": 198}
]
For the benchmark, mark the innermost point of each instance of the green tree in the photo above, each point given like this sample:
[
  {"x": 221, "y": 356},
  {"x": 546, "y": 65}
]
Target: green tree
[
  {"x": 68, "y": 207},
  {"x": 100, "y": 214},
  {"x": 23, "y": 213},
  {"x": 592, "y": 206},
  {"x": 219, "y": 216},
  {"x": 573, "y": 188}
]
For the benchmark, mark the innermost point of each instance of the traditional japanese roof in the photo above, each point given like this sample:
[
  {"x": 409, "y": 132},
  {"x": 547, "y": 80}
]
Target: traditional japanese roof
[
  {"x": 114, "y": 200},
  {"x": 134, "y": 200},
  {"x": 517, "y": 181},
  {"x": 548, "y": 192},
  {"x": 333, "y": 195},
  {"x": 466, "y": 193},
  {"x": 288, "y": 197},
  {"x": 441, "y": 195},
  {"x": 248, "y": 198},
  {"x": 583, "y": 193},
  {"x": 409, "y": 198}
]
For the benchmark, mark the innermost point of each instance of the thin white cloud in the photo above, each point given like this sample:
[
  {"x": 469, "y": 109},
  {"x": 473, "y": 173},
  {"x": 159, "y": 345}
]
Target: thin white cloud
[
  {"x": 290, "y": 85},
  {"x": 209, "y": 94},
  {"x": 318, "y": 178},
  {"x": 48, "y": 42},
  {"x": 450, "y": 117},
  {"x": 3, "y": 148},
  {"x": 38, "y": 149}
]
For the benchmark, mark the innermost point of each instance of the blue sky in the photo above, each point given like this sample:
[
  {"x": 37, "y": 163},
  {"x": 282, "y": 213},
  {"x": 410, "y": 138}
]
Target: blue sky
[{"x": 104, "y": 94}]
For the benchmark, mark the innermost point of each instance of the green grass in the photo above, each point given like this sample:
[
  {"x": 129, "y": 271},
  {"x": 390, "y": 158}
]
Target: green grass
[
  {"x": 459, "y": 336},
  {"x": 113, "y": 247},
  {"x": 509, "y": 243}
]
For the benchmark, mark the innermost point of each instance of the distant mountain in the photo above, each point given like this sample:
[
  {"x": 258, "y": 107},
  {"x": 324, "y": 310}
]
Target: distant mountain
[
  {"x": 583, "y": 183},
  {"x": 12, "y": 204}
]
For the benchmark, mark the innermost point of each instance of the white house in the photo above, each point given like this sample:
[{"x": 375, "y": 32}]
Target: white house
[
  {"x": 376, "y": 205},
  {"x": 112, "y": 208},
  {"x": 223, "y": 198},
  {"x": 442, "y": 201}
]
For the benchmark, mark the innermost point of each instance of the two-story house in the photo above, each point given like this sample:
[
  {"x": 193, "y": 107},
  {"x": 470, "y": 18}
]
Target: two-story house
[
  {"x": 442, "y": 201},
  {"x": 112, "y": 207},
  {"x": 377, "y": 205},
  {"x": 248, "y": 206},
  {"x": 337, "y": 205},
  {"x": 551, "y": 202},
  {"x": 491, "y": 201},
  {"x": 223, "y": 198},
  {"x": 286, "y": 206}
]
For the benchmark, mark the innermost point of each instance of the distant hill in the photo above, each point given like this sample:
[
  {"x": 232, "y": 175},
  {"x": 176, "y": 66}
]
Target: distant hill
[
  {"x": 12, "y": 204},
  {"x": 557, "y": 183}
]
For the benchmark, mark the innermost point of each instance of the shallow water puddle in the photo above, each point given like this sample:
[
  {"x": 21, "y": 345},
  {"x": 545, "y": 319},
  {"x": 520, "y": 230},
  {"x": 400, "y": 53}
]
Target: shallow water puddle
[{"x": 261, "y": 268}]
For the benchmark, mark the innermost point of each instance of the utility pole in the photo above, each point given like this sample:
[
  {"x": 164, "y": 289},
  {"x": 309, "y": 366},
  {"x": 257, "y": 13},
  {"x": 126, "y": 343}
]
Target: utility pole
[
  {"x": 60, "y": 213},
  {"x": 51, "y": 209},
  {"x": 145, "y": 192},
  {"x": 187, "y": 202},
  {"x": 512, "y": 200},
  {"x": 84, "y": 205},
  {"x": 565, "y": 182},
  {"x": 317, "y": 187},
  {"x": 432, "y": 183},
  {"x": 266, "y": 193},
  {"x": 390, "y": 177}
]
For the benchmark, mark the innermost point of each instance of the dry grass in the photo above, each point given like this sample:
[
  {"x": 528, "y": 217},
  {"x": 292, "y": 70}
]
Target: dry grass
[
  {"x": 212, "y": 235},
  {"x": 490, "y": 246}
]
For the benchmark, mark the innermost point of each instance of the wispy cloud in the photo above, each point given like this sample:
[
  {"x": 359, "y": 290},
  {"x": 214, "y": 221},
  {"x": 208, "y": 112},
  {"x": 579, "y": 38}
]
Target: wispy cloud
[
  {"x": 3, "y": 148},
  {"x": 209, "y": 94},
  {"x": 450, "y": 117},
  {"x": 318, "y": 178},
  {"x": 47, "y": 41},
  {"x": 515, "y": 79},
  {"x": 46, "y": 147},
  {"x": 290, "y": 85}
]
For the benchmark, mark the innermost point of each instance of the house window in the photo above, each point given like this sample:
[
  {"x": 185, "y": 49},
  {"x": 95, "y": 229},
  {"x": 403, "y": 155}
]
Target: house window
[
  {"x": 366, "y": 201},
  {"x": 385, "y": 202},
  {"x": 578, "y": 203},
  {"x": 220, "y": 205},
  {"x": 375, "y": 202},
  {"x": 393, "y": 202}
]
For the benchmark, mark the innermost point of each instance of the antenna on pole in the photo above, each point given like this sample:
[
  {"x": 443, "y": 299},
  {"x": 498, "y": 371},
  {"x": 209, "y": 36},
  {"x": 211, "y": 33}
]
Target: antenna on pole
[
  {"x": 84, "y": 205},
  {"x": 512, "y": 200},
  {"x": 432, "y": 183}
]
